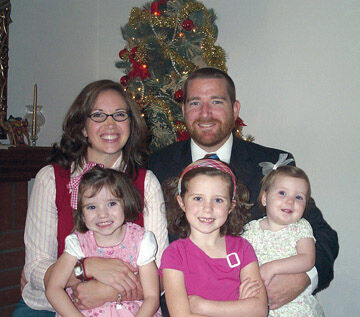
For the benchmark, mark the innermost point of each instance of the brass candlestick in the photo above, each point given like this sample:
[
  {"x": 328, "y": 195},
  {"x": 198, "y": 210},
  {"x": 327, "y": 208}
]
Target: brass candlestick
[{"x": 34, "y": 136}]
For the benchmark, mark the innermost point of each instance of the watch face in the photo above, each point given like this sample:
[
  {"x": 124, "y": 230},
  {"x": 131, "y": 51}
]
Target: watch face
[{"x": 78, "y": 271}]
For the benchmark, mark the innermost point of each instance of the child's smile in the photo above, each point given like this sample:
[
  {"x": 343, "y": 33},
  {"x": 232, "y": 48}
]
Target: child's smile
[
  {"x": 206, "y": 220},
  {"x": 285, "y": 201},
  {"x": 105, "y": 224},
  {"x": 207, "y": 203},
  {"x": 104, "y": 215}
]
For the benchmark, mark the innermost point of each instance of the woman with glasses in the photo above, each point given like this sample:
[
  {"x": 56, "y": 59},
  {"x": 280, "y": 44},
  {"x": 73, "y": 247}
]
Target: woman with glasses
[{"x": 103, "y": 126}]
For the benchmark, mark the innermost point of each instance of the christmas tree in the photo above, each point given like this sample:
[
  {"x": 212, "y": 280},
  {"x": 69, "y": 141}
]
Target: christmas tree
[{"x": 166, "y": 40}]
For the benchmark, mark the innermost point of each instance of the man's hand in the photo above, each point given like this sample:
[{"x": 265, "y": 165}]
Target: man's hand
[{"x": 285, "y": 287}]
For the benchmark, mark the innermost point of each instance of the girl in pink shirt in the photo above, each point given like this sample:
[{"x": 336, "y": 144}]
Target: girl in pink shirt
[
  {"x": 107, "y": 200},
  {"x": 211, "y": 270}
]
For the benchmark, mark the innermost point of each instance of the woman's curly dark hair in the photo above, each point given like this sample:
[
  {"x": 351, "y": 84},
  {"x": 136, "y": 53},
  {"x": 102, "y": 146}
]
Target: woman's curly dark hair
[
  {"x": 73, "y": 144},
  {"x": 177, "y": 222}
]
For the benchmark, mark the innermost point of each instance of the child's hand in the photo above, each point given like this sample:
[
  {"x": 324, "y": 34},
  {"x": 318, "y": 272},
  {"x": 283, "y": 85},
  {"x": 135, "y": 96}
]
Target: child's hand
[
  {"x": 267, "y": 273},
  {"x": 195, "y": 302},
  {"x": 249, "y": 288}
]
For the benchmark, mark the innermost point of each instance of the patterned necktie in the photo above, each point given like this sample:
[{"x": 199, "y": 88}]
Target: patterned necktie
[{"x": 212, "y": 156}]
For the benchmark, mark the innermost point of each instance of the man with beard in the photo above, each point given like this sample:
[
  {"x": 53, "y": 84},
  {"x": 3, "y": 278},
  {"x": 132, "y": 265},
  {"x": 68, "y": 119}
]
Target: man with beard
[{"x": 210, "y": 109}]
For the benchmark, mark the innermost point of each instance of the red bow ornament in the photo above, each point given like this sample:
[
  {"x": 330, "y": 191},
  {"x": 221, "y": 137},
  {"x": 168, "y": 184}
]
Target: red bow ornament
[{"x": 75, "y": 181}]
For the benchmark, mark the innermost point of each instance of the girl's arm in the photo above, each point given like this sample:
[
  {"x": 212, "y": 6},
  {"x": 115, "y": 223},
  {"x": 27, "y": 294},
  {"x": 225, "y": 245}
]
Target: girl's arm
[
  {"x": 55, "y": 284},
  {"x": 175, "y": 293},
  {"x": 90, "y": 294},
  {"x": 93, "y": 293},
  {"x": 300, "y": 263},
  {"x": 149, "y": 279},
  {"x": 72, "y": 281},
  {"x": 246, "y": 306}
]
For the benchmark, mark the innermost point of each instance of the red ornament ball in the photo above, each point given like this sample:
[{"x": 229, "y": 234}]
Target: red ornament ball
[
  {"x": 179, "y": 96},
  {"x": 124, "y": 80},
  {"x": 188, "y": 25},
  {"x": 123, "y": 53}
]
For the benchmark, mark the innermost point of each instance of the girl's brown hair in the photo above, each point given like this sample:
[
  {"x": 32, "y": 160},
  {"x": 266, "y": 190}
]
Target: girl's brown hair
[
  {"x": 287, "y": 170},
  {"x": 177, "y": 222},
  {"x": 73, "y": 144},
  {"x": 121, "y": 187}
]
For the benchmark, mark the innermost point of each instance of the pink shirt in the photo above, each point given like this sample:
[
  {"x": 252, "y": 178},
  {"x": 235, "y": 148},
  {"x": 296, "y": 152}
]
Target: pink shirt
[{"x": 207, "y": 277}]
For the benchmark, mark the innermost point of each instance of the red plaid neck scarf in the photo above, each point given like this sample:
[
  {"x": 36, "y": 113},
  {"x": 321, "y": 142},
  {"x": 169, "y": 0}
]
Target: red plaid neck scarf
[{"x": 75, "y": 181}]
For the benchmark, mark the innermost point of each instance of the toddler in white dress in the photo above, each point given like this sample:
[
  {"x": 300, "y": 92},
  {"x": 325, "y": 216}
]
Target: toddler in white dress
[{"x": 283, "y": 241}]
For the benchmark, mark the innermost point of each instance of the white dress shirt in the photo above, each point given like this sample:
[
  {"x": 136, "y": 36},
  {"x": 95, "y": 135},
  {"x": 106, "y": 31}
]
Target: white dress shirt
[{"x": 224, "y": 153}]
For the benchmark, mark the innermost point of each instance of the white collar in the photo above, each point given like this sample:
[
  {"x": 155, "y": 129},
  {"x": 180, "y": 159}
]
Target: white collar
[
  {"x": 224, "y": 153},
  {"x": 118, "y": 165}
]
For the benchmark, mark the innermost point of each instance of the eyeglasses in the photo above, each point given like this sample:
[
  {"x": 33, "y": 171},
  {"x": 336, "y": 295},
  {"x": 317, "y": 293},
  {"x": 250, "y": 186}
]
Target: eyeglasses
[{"x": 118, "y": 116}]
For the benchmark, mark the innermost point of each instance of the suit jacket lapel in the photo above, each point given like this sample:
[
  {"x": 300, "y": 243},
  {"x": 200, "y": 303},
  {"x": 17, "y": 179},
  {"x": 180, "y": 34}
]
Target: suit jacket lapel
[
  {"x": 240, "y": 160},
  {"x": 246, "y": 169},
  {"x": 182, "y": 156}
]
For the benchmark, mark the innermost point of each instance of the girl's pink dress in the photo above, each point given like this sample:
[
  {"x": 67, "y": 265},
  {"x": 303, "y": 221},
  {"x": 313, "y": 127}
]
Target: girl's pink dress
[{"x": 135, "y": 241}]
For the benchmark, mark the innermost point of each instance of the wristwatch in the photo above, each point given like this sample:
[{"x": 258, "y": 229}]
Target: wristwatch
[{"x": 79, "y": 271}]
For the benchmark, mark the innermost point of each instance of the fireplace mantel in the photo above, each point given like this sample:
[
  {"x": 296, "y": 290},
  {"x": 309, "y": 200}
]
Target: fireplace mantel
[
  {"x": 22, "y": 163},
  {"x": 17, "y": 166}
]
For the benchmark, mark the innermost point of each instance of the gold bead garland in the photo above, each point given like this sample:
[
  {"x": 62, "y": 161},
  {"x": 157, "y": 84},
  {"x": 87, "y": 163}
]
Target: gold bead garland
[{"x": 207, "y": 54}]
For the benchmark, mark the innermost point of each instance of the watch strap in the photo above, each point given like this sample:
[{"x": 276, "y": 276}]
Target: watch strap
[
  {"x": 82, "y": 276},
  {"x": 86, "y": 278}
]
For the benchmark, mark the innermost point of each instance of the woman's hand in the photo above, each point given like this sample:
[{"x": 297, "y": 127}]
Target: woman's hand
[
  {"x": 92, "y": 294},
  {"x": 117, "y": 274}
]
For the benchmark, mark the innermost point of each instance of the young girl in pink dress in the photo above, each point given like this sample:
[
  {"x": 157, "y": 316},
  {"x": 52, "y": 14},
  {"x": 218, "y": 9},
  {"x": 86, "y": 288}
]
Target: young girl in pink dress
[
  {"x": 107, "y": 201},
  {"x": 211, "y": 270}
]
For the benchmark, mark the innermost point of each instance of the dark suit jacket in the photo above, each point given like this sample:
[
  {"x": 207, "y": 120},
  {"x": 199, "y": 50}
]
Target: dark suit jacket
[{"x": 245, "y": 159}]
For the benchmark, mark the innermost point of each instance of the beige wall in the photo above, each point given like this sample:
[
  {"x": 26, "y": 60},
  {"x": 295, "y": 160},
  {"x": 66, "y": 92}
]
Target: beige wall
[{"x": 296, "y": 67}]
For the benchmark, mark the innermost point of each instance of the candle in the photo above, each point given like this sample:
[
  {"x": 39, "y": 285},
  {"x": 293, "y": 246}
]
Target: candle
[{"x": 33, "y": 128}]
